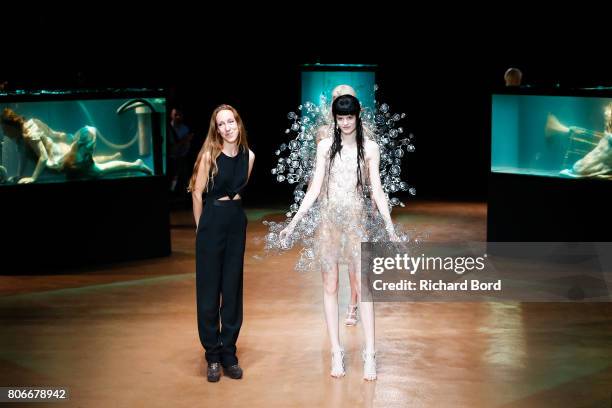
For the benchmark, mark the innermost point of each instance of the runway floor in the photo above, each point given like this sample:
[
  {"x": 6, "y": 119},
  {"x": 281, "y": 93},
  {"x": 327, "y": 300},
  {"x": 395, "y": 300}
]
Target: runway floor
[{"x": 125, "y": 335}]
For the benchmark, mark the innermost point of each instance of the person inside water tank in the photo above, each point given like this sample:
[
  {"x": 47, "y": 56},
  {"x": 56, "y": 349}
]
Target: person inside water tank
[{"x": 59, "y": 151}]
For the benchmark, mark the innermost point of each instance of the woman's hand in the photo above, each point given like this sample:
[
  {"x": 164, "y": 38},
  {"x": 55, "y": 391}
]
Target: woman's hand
[
  {"x": 285, "y": 233},
  {"x": 392, "y": 235}
]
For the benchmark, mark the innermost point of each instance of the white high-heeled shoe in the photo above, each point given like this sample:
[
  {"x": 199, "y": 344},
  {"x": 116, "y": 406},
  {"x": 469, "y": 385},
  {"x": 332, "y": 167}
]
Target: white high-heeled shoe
[
  {"x": 337, "y": 363},
  {"x": 369, "y": 365},
  {"x": 351, "y": 316}
]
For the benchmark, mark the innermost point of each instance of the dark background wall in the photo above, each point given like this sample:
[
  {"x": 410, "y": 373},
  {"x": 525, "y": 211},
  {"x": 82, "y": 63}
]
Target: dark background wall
[{"x": 441, "y": 76}]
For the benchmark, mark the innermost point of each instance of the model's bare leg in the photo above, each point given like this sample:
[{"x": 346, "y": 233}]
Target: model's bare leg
[
  {"x": 104, "y": 159},
  {"x": 117, "y": 166},
  {"x": 367, "y": 319},
  {"x": 351, "y": 313},
  {"x": 330, "y": 304}
]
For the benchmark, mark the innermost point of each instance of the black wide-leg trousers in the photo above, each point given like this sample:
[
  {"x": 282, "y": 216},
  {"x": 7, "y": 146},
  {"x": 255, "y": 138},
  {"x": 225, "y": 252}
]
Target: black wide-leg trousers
[{"x": 220, "y": 244}]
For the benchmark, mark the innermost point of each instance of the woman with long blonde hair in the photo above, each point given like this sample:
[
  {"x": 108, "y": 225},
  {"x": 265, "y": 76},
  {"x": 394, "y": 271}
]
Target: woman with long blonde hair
[{"x": 221, "y": 172}]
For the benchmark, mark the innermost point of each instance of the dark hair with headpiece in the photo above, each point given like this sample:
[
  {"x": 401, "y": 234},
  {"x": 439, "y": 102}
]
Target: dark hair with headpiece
[{"x": 347, "y": 105}]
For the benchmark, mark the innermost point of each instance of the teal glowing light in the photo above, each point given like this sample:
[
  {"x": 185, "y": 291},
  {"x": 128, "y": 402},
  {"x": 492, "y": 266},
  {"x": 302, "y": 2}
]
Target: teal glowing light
[
  {"x": 545, "y": 135},
  {"x": 319, "y": 83},
  {"x": 339, "y": 66}
]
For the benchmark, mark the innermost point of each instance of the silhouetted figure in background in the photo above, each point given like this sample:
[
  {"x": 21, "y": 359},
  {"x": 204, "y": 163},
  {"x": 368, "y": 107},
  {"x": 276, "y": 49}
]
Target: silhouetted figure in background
[
  {"x": 513, "y": 77},
  {"x": 180, "y": 137}
]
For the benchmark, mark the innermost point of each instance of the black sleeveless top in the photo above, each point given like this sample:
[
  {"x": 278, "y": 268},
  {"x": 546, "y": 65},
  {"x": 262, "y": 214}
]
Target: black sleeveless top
[{"x": 232, "y": 176}]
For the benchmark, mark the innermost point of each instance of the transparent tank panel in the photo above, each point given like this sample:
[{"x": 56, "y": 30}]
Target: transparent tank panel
[
  {"x": 555, "y": 136},
  {"x": 60, "y": 141}
]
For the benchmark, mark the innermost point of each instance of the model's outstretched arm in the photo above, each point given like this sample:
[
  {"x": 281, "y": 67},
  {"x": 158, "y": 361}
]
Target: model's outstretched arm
[
  {"x": 22, "y": 159},
  {"x": 315, "y": 187},
  {"x": 373, "y": 157},
  {"x": 41, "y": 153}
]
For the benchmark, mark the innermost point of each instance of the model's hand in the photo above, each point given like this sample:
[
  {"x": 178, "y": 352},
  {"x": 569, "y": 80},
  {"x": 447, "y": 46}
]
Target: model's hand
[
  {"x": 576, "y": 130},
  {"x": 286, "y": 233},
  {"x": 26, "y": 180},
  {"x": 392, "y": 235}
]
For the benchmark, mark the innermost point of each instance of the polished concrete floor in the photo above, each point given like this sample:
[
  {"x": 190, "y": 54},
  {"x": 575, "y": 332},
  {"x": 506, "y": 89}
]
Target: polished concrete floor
[{"x": 125, "y": 336}]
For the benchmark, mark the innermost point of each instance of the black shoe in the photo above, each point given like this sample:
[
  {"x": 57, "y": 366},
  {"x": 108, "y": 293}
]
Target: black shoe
[
  {"x": 213, "y": 372},
  {"x": 233, "y": 371}
]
